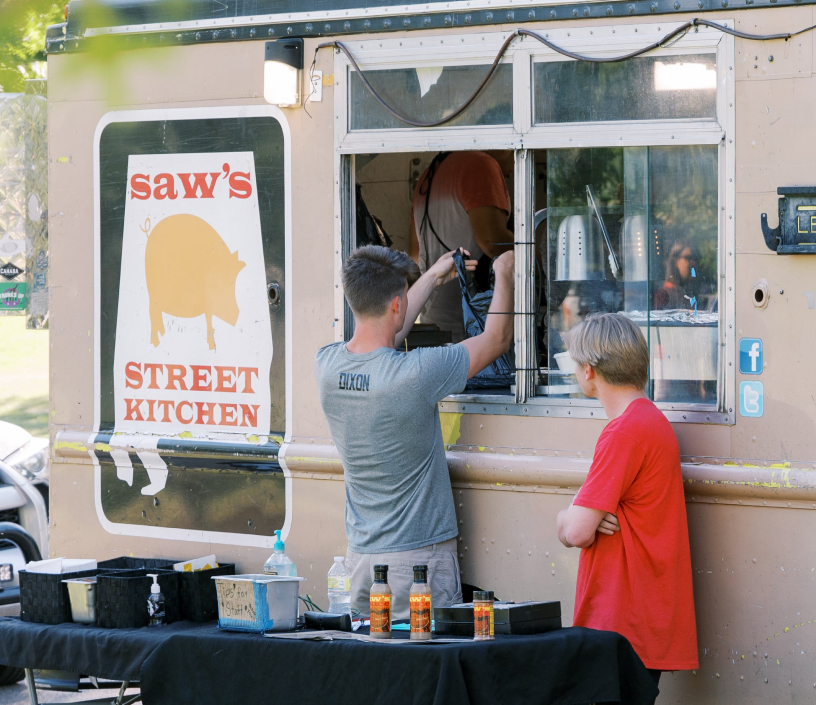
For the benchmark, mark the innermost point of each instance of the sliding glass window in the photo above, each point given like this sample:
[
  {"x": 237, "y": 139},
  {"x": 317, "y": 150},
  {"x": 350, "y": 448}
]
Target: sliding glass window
[{"x": 633, "y": 230}]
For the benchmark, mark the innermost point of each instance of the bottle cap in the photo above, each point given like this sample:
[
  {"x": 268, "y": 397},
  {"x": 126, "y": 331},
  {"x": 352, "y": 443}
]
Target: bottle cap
[
  {"x": 154, "y": 588},
  {"x": 278, "y": 547},
  {"x": 491, "y": 595},
  {"x": 420, "y": 574},
  {"x": 481, "y": 596},
  {"x": 338, "y": 558},
  {"x": 380, "y": 573}
]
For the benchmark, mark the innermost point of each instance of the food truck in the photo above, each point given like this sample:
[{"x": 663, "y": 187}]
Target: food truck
[{"x": 211, "y": 165}]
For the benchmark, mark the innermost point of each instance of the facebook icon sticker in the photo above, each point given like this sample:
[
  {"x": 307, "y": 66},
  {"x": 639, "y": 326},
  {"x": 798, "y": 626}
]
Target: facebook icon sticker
[
  {"x": 751, "y": 399},
  {"x": 750, "y": 356}
]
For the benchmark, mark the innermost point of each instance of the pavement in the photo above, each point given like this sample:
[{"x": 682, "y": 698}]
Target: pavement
[{"x": 17, "y": 694}]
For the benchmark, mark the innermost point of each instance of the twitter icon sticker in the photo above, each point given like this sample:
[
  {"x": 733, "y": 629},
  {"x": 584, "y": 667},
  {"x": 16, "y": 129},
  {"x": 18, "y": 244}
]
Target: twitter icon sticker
[{"x": 752, "y": 399}]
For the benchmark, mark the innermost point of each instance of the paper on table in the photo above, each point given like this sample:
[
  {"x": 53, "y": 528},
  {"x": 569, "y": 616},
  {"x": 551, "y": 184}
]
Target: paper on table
[
  {"x": 332, "y": 635},
  {"x": 57, "y": 566},
  {"x": 205, "y": 563}
]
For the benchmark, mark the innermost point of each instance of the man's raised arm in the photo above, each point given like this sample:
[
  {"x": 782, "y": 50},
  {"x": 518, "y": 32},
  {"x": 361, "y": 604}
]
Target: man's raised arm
[{"x": 498, "y": 333}]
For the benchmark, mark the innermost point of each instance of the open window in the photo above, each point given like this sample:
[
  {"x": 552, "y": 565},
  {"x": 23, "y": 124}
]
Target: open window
[
  {"x": 390, "y": 192},
  {"x": 621, "y": 195}
]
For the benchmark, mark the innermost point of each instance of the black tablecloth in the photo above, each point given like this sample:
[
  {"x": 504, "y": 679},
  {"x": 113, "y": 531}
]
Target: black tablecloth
[
  {"x": 117, "y": 654},
  {"x": 199, "y": 664}
]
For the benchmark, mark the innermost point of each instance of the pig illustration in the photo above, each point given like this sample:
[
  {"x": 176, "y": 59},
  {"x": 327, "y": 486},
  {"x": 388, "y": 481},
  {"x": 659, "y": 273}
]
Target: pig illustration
[{"x": 190, "y": 271}]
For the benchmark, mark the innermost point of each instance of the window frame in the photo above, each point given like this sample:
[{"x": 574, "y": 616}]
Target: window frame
[{"x": 523, "y": 136}]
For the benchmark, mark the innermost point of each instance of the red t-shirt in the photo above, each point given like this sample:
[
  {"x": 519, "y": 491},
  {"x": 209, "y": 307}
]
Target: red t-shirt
[{"x": 638, "y": 581}]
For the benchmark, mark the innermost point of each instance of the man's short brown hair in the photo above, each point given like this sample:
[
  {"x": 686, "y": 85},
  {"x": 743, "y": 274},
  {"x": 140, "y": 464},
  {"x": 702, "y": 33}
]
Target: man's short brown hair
[
  {"x": 613, "y": 346},
  {"x": 373, "y": 275}
]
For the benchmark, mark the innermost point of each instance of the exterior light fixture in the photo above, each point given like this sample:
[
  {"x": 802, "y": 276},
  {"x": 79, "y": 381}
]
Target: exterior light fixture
[{"x": 283, "y": 63}]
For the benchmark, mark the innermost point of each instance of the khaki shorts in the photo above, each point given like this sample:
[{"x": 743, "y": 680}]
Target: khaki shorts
[{"x": 443, "y": 576}]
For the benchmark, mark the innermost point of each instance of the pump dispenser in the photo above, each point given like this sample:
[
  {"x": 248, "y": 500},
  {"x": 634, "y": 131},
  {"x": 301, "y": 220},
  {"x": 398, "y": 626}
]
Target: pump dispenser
[
  {"x": 279, "y": 563},
  {"x": 155, "y": 604}
]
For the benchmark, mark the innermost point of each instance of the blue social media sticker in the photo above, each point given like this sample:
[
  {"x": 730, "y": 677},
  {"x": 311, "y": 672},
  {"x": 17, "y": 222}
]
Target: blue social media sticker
[
  {"x": 750, "y": 356},
  {"x": 751, "y": 399}
]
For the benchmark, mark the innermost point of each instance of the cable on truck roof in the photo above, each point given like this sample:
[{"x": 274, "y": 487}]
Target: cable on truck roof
[{"x": 678, "y": 32}]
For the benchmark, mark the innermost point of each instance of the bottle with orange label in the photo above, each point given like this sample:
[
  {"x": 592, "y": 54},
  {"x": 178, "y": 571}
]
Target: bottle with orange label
[
  {"x": 482, "y": 615},
  {"x": 420, "y": 601},
  {"x": 380, "y": 602}
]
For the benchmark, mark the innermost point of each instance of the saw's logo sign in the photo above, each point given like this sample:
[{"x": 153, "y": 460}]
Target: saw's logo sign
[
  {"x": 188, "y": 185},
  {"x": 193, "y": 340}
]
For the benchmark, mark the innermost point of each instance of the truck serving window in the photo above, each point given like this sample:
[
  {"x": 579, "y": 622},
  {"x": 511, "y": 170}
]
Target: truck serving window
[
  {"x": 634, "y": 230},
  {"x": 622, "y": 195},
  {"x": 385, "y": 188}
]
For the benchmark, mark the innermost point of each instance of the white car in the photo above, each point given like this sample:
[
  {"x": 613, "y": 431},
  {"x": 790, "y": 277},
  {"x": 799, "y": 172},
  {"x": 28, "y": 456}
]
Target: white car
[
  {"x": 24, "y": 475},
  {"x": 27, "y": 454}
]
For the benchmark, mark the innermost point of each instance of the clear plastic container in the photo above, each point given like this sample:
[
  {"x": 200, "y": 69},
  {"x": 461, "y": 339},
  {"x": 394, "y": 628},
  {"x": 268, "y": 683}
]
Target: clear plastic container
[
  {"x": 339, "y": 588},
  {"x": 279, "y": 563},
  {"x": 257, "y": 603},
  {"x": 155, "y": 604}
]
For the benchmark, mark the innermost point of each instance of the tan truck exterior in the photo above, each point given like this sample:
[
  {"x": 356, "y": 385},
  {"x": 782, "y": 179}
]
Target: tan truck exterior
[{"x": 750, "y": 483}]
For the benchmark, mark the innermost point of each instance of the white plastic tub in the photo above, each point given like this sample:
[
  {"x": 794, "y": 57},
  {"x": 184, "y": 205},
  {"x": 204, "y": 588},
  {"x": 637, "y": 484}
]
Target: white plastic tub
[
  {"x": 565, "y": 362},
  {"x": 257, "y": 602}
]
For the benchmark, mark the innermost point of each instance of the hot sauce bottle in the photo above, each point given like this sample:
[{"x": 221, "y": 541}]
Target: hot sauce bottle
[
  {"x": 420, "y": 600},
  {"x": 492, "y": 598},
  {"x": 482, "y": 616},
  {"x": 380, "y": 602}
]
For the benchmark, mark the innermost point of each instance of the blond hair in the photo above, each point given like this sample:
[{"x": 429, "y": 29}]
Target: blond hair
[{"x": 613, "y": 346}]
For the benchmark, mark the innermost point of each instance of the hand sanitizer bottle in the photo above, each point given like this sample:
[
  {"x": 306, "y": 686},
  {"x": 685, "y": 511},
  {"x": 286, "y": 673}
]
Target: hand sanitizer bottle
[
  {"x": 279, "y": 563},
  {"x": 155, "y": 604}
]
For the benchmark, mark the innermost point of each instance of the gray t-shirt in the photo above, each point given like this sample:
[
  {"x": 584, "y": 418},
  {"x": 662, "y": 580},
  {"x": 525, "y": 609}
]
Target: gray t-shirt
[{"x": 384, "y": 420}]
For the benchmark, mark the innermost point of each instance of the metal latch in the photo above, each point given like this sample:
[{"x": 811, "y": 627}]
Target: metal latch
[{"x": 796, "y": 232}]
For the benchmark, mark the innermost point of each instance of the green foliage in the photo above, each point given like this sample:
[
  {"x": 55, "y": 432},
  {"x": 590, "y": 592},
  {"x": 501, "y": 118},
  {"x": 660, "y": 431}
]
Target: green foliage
[
  {"x": 22, "y": 39},
  {"x": 23, "y": 375}
]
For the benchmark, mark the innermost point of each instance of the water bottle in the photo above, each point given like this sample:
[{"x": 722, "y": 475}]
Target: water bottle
[{"x": 339, "y": 588}]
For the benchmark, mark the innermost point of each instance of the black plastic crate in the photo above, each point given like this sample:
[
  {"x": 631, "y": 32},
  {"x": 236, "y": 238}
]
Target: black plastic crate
[
  {"x": 121, "y": 597},
  {"x": 44, "y": 597},
  {"x": 199, "y": 598},
  {"x": 132, "y": 563}
]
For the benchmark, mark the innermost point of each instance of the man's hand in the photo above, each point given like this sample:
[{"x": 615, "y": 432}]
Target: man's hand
[
  {"x": 444, "y": 271},
  {"x": 577, "y": 525},
  {"x": 505, "y": 265},
  {"x": 609, "y": 524}
]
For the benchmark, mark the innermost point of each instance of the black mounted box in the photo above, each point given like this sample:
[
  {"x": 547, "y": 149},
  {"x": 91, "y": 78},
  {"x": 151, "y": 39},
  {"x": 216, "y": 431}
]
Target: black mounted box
[
  {"x": 796, "y": 232},
  {"x": 508, "y": 618},
  {"x": 287, "y": 51}
]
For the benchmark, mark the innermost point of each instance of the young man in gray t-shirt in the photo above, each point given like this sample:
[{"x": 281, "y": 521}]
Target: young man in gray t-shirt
[{"x": 381, "y": 405}]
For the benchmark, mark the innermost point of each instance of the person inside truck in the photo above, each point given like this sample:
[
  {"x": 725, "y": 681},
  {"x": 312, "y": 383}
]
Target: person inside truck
[
  {"x": 678, "y": 289},
  {"x": 381, "y": 406},
  {"x": 629, "y": 517},
  {"x": 461, "y": 200}
]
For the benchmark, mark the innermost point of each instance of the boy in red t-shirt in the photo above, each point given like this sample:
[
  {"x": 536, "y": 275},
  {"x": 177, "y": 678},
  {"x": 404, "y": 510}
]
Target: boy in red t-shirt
[{"x": 629, "y": 517}]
